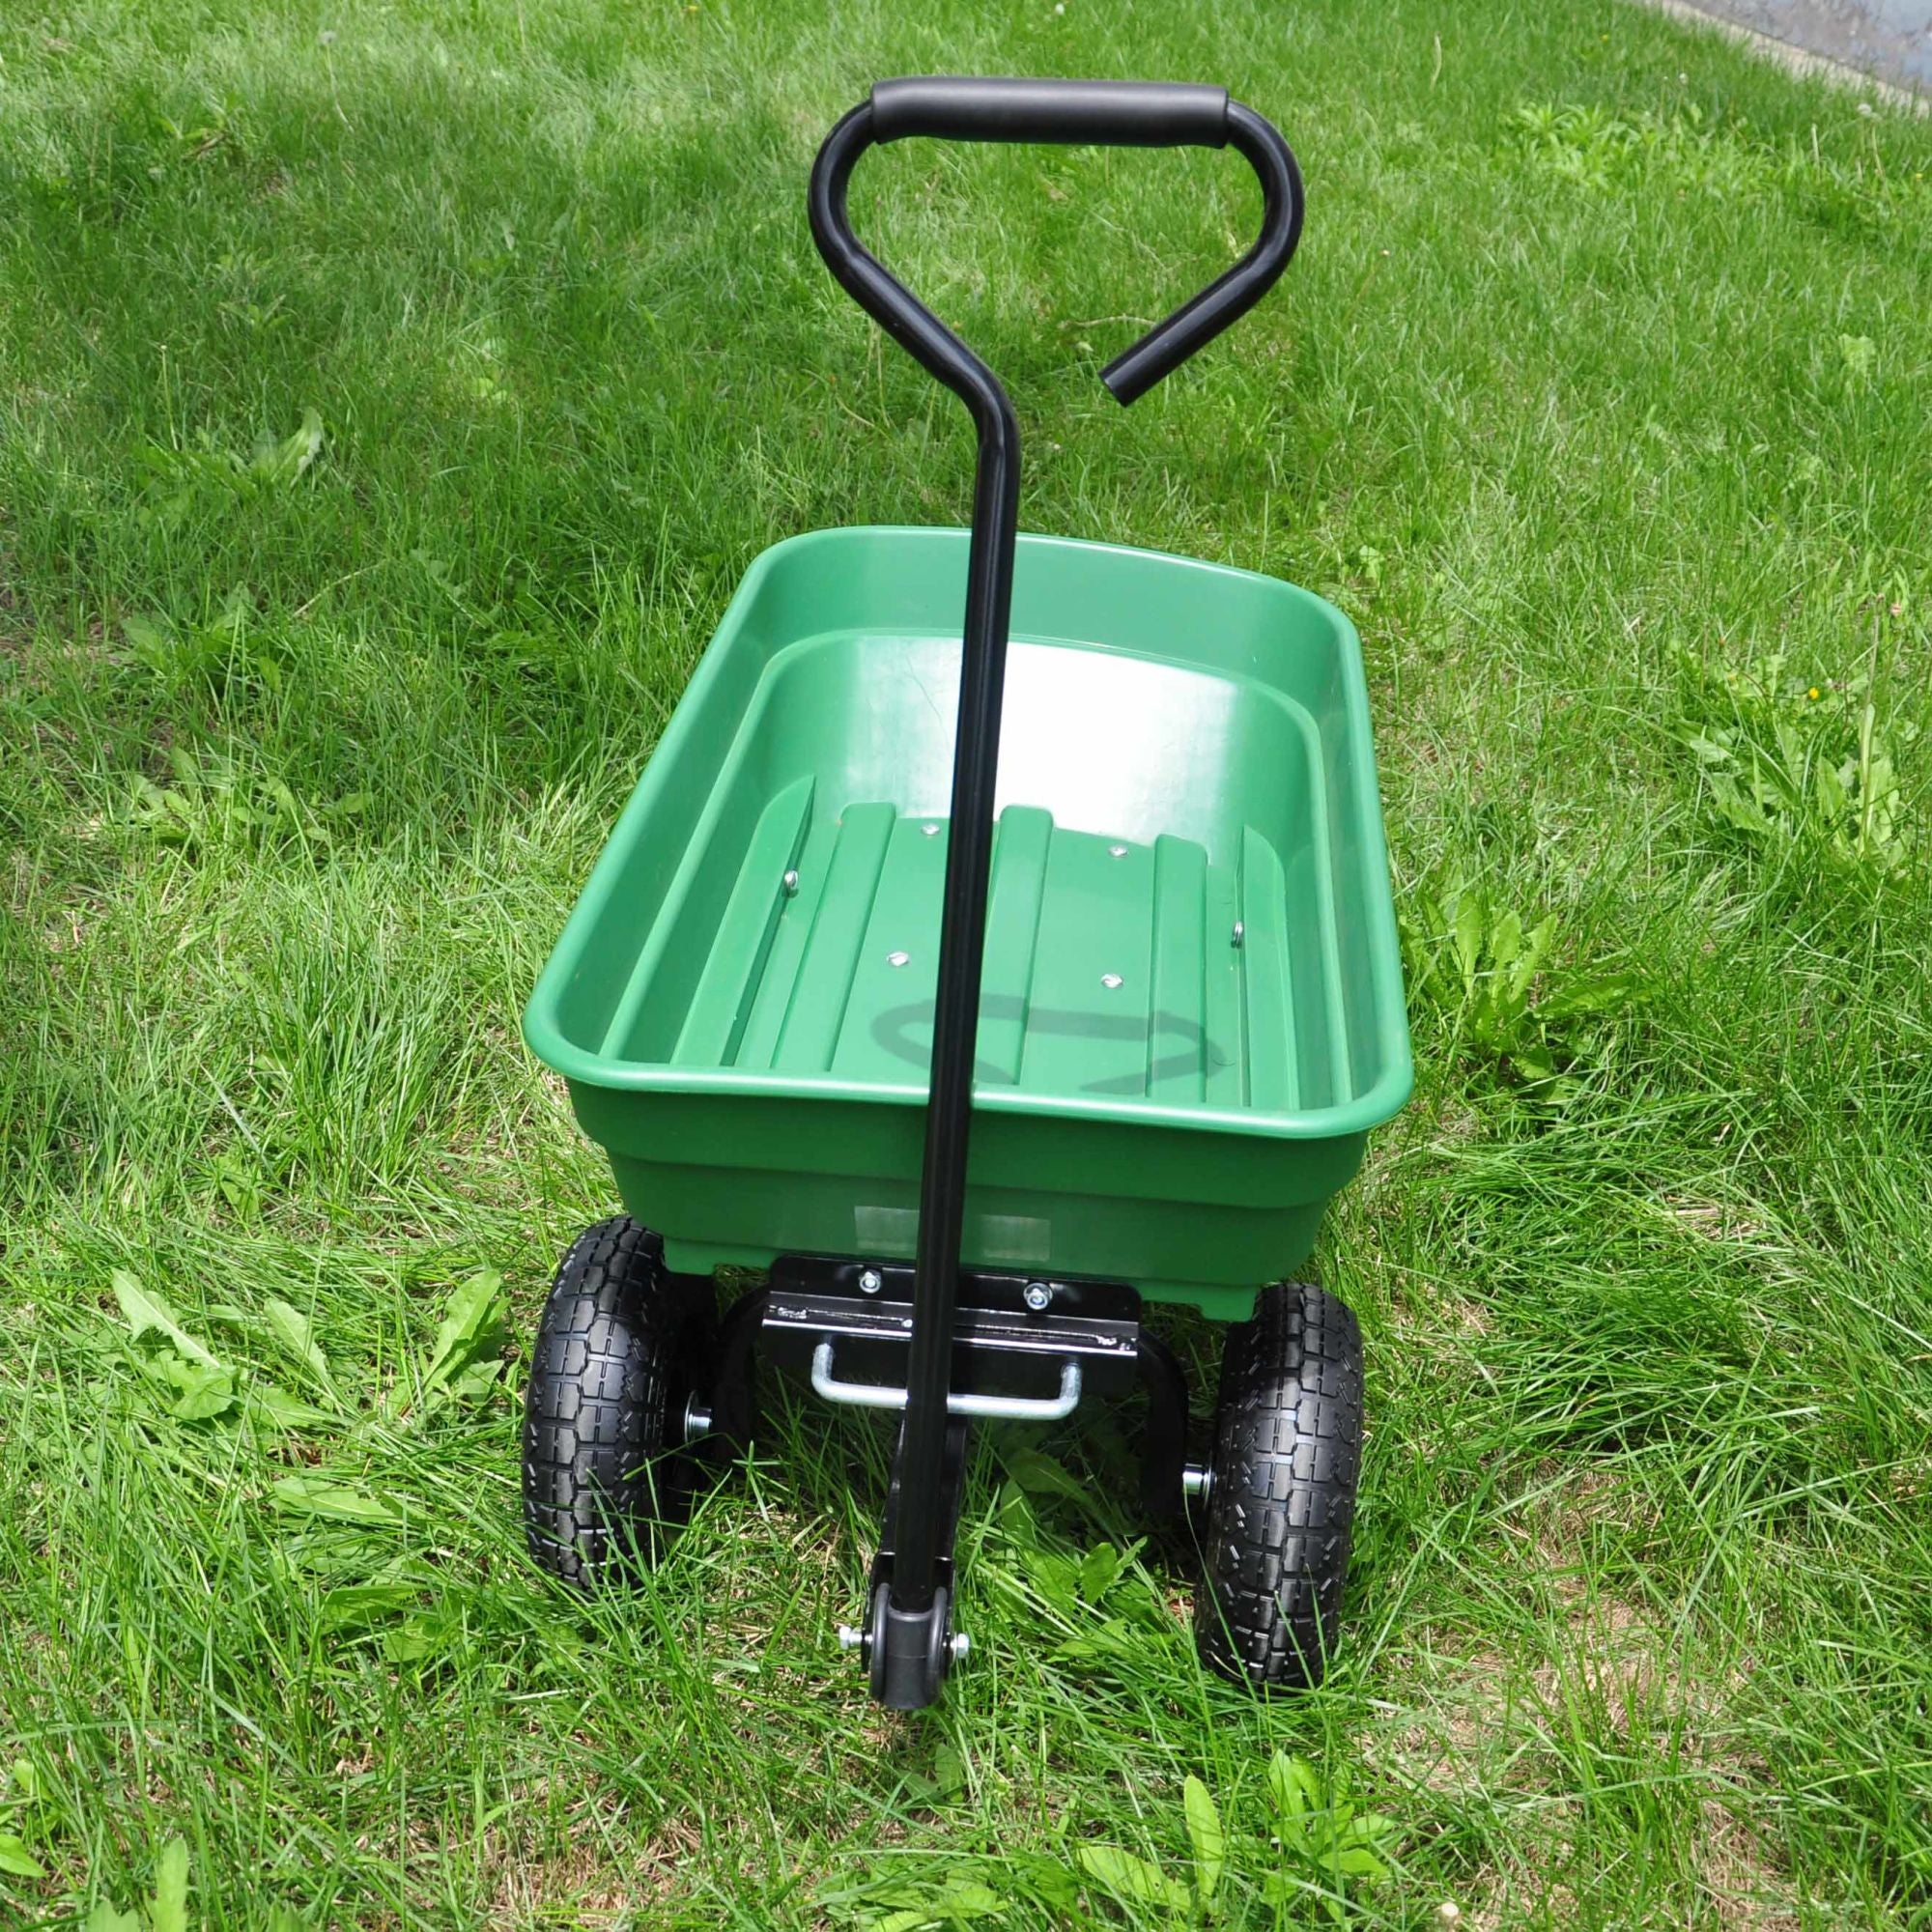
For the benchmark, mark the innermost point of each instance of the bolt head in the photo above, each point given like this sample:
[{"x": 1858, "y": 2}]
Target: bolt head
[
  {"x": 958, "y": 1646},
  {"x": 1037, "y": 1296},
  {"x": 790, "y": 884},
  {"x": 898, "y": 958},
  {"x": 850, "y": 1639},
  {"x": 1112, "y": 981},
  {"x": 871, "y": 1281}
]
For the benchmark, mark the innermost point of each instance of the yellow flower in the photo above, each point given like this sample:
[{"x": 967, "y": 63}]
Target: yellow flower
[{"x": 1814, "y": 692}]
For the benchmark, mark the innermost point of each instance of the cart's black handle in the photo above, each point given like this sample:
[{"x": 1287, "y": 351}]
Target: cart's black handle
[
  {"x": 1111, "y": 113},
  {"x": 1122, "y": 113}
]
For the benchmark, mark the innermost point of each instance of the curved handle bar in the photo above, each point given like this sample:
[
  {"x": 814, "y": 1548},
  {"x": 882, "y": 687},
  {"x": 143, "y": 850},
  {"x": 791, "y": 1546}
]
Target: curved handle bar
[
  {"x": 1113, "y": 113},
  {"x": 1122, "y": 113}
]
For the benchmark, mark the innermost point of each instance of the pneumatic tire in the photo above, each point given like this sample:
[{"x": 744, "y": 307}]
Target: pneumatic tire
[
  {"x": 605, "y": 1473},
  {"x": 1281, "y": 1502}
]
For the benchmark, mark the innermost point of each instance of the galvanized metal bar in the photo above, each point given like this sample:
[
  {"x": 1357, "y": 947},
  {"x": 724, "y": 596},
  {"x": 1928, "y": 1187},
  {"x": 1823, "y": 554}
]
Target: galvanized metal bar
[{"x": 984, "y": 1407}]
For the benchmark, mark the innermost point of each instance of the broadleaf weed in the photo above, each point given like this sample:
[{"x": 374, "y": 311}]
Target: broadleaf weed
[
  {"x": 1791, "y": 760},
  {"x": 1492, "y": 982}
]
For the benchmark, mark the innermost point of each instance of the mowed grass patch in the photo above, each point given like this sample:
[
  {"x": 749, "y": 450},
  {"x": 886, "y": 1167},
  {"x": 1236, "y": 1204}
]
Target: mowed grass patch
[{"x": 391, "y": 399}]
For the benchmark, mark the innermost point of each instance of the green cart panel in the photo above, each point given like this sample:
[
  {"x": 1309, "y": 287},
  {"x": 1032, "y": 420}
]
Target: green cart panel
[{"x": 1192, "y": 1009}]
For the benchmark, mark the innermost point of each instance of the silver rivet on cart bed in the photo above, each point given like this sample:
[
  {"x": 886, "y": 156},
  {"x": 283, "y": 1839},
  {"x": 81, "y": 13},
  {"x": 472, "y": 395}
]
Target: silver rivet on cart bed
[
  {"x": 790, "y": 884},
  {"x": 1240, "y": 932},
  {"x": 898, "y": 958},
  {"x": 871, "y": 1281},
  {"x": 1110, "y": 980},
  {"x": 1117, "y": 851},
  {"x": 1037, "y": 1296},
  {"x": 931, "y": 830}
]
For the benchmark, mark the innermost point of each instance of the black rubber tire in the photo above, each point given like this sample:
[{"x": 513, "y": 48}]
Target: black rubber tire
[
  {"x": 605, "y": 1473},
  {"x": 1288, "y": 1451}
]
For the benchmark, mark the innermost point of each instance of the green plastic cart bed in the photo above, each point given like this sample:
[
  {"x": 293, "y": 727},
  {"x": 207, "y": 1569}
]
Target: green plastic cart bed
[{"x": 1191, "y": 1009}]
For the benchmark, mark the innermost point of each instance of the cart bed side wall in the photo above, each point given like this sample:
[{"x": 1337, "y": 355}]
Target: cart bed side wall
[
  {"x": 621, "y": 982},
  {"x": 620, "y": 903}
]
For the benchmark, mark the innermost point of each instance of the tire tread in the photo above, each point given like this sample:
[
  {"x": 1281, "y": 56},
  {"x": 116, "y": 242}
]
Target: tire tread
[
  {"x": 595, "y": 1407},
  {"x": 1287, "y": 1456}
]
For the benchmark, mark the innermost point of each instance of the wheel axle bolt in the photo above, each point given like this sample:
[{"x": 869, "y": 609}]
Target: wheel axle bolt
[
  {"x": 850, "y": 1637},
  {"x": 957, "y": 1647},
  {"x": 1037, "y": 1296},
  {"x": 871, "y": 1281}
]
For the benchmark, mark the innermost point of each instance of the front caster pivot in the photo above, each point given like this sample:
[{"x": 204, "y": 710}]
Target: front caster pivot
[{"x": 907, "y": 1653}]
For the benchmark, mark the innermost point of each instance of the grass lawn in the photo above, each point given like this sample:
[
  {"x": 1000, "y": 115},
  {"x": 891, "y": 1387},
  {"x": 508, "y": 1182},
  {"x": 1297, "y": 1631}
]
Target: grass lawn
[{"x": 389, "y": 398}]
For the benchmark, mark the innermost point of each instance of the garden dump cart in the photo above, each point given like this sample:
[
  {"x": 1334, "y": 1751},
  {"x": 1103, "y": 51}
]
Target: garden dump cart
[{"x": 977, "y": 992}]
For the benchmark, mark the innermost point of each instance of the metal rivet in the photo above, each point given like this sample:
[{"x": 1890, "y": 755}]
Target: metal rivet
[
  {"x": 931, "y": 830},
  {"x": 1110, "y": 980},
  {"x": 1240, "y": 932},
  {"x": 1037, "y": 1296},
  {"x": 791, "y": 883},
  {"x": 898, "y": 958},
  {"x": 1117, "y": 851},
  {"x": 871, "y": 1281}
]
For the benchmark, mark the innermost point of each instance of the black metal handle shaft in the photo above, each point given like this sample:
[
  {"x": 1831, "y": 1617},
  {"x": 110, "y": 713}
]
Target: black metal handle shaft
[{"x": 1131, "y": 114}]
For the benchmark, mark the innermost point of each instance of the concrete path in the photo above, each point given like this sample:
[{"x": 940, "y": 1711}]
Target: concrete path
[{"x": 1887, "y": 39}]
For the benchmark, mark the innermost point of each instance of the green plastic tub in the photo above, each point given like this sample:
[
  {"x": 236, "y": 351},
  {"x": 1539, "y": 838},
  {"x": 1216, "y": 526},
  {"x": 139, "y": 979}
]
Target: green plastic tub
[{"x": 1192, "y": 1006}]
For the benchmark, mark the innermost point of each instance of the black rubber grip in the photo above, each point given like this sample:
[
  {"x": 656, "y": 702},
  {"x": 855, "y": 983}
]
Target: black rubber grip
[{"x": 1106, "y": 113}]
